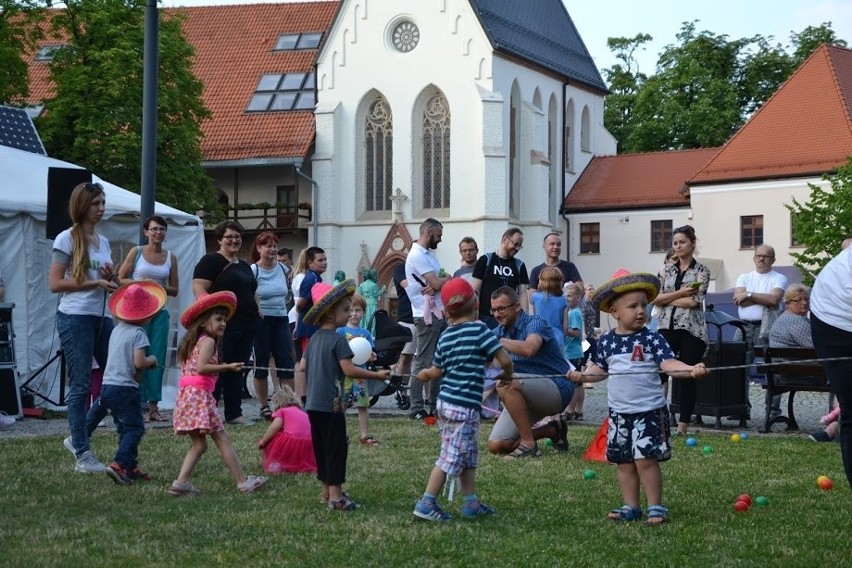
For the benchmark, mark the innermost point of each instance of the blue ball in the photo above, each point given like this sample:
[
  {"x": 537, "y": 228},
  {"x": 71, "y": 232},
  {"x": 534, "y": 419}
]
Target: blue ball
[
  {"x": 743, "y": 435},
  {"x": 691, "y": 442}
]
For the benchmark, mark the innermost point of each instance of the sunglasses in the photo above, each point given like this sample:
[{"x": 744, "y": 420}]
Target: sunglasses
[{"x": 93, "y": 187}]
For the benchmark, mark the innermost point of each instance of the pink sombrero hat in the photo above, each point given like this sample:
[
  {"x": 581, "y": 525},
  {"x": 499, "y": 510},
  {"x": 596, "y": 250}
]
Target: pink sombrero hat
[
  {"x": 137, "y": 301},
  {"x": 224, "y": 299},
  {"x": 325, "y": 296},
  {"x": 623, "y": 282}
]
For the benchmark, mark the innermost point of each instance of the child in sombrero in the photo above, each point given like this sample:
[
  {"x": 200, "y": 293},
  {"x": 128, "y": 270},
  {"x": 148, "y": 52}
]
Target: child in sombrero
[
  {"x": 133, "y": 305},
  {"x": 195, "y": 412},
  {"x": 632, "y": 356},
  {"x": 327, "y": 362}
]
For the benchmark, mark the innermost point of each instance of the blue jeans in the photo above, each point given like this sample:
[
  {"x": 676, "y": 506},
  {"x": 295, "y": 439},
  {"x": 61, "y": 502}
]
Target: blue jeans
[
  {"x": 124, "y": 404},
  {"x": 236, "y": 346},
  {"x": 81, "y": 337},
  {"x": 273, "y": 336}
]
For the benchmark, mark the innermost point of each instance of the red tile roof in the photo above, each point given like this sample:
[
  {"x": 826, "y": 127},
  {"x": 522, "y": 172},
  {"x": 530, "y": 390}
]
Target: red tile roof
[
  {"x": 632, "y": 181},
  {"x": 804, "y": 129},
  {"x": 233, "y": 49}
]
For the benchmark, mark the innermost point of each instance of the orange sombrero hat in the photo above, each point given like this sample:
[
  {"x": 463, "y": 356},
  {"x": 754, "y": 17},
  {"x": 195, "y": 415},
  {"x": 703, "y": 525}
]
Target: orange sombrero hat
[
  {"x": 137, "y": 301},
  {"x": 325, "y": 296},
  {"x": 623, "y": 282},
  {"x": 224, "y": 299}
]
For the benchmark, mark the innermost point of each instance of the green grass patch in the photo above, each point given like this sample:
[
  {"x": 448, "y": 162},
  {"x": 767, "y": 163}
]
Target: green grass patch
[{"x": 547, "y": 513}]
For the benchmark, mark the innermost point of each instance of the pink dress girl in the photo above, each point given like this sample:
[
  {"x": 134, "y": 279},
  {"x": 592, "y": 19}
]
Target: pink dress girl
[
  {"x": 195, "y": 407},
  {"x": 291, "y": 449}
]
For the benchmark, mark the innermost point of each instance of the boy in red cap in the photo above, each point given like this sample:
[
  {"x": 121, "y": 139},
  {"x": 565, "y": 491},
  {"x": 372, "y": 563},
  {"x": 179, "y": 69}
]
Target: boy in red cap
[
  {"x": 133, "y": 305},
  {"x": 460, "y": 358}
]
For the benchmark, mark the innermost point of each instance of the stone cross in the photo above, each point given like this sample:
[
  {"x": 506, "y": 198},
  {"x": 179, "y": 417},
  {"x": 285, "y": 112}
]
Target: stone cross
[{"x": 398, "y": 197}]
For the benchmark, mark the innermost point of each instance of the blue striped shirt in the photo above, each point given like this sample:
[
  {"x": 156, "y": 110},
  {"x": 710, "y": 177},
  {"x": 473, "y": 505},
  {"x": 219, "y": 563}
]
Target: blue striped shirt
[{"x": 461, "y": 355}]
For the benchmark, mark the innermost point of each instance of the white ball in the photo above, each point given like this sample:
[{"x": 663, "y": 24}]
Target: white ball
[{"x": 362, "y": 350}]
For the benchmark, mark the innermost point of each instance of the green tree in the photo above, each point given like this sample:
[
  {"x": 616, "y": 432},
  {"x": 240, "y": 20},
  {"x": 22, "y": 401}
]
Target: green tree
[
  {"x": 18, "y": 34},
  {"x": 822, "y": 222},
  {"x": 806, "y": 41},
  {"x": 95, "y": 117},
  {"x": 624, "y": 79}
]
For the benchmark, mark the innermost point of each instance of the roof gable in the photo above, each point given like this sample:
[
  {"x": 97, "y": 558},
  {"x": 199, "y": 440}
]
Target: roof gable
[
  {"x": 541, "y": 32},
  {"x": 804, "y": 129},
  {"x": 633, "y": 181}
]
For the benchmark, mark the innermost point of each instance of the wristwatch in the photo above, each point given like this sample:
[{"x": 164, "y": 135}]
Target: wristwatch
[{"x": 748, "y": 294}]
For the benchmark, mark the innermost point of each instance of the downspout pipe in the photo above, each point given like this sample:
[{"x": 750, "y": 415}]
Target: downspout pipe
[
  {"x": 562, "y": 173},
  {"x": 314, "y": 203}
]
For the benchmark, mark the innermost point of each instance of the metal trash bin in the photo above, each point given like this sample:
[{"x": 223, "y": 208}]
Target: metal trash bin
[{"x": 723, "y": 393}]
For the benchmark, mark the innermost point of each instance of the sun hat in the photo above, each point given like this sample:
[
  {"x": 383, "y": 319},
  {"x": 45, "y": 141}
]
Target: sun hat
[
  {"x": 137, "y": 301},
  {"x": 623, "y": 282},
  {"x": 456, "y": 293},
  {"x": 325, "y": 296},
  {"x": 224, "y": 299}
]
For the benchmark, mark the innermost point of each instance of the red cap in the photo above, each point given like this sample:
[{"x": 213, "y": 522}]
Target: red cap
[{"x": 456, "y": 293}]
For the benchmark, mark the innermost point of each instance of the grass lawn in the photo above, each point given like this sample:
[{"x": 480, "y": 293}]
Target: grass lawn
[{"x": 547, "y": 513}]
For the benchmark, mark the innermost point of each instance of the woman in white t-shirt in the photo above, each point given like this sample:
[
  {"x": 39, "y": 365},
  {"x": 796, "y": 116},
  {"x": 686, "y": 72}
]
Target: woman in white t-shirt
[
  {"x": 300, "y": 269},
  {"x": 153, "y": 262},
  {"x": 82, "y": 271}
]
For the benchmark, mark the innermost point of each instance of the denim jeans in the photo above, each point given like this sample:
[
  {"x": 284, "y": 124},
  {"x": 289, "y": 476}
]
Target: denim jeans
[
  {"x": 427, "y": 340},
  {"x": 236, "y": 346},
  {"x": 81, "y": 337},
  {"x": 124, "y": 403},
  {"x": 831, "y": 342},
  {"x": 273, "y": 336}
]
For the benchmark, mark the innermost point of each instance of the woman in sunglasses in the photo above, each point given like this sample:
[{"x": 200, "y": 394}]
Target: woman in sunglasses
[
  {"x": 153, "y": 262},
  {"x": 81, "y": 270}
]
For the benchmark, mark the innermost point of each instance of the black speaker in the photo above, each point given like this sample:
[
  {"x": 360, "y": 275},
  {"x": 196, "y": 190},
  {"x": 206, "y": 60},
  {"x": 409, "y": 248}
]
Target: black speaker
[
  {"x": 10, "y": 401},
  {"x": 60, "y": 183}
]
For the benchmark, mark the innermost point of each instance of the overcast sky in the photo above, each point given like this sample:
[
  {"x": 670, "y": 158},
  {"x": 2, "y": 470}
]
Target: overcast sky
[{"x": 598, "y": 20}]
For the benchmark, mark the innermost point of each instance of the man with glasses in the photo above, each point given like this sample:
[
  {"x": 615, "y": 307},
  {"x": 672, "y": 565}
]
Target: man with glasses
[
  {"x": 498, "y": 269},
  {"x": 757, "y": 294},
  {"x": 552, "y": 246},
  {"x": 545, "y": 390},
  {"x": 422, "y": 271},
  {"x": 468, "y": 249}
]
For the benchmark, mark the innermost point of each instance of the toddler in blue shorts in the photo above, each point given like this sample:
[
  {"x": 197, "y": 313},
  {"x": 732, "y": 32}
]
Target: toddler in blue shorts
[
  {"x": 632, "y": 356},
  {"x": 460, "y": 358}
]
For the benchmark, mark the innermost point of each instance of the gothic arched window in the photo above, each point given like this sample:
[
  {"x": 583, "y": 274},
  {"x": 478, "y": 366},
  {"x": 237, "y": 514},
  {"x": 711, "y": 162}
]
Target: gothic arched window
[
  {"x": 436, "y": 153},
  {"x": 378, "y": 156}
]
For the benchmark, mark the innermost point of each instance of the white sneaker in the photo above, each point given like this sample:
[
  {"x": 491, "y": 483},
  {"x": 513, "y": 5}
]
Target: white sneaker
[
  {"x": 251, "y": 483},
  {"x": 69, "y": 445},
  {"x": 88, "y": 463},
  {"x": 6, "y": 421}
]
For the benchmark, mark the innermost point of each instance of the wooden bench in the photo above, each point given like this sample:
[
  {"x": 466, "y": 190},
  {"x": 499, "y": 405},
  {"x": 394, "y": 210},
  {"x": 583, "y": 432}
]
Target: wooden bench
[{"x": 784, "y": 374}]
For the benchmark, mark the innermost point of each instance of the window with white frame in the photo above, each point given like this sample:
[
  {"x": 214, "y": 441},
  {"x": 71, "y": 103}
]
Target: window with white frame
[
  {"x": 378, "y": 156},
  {"x": 436, "y": 153}
]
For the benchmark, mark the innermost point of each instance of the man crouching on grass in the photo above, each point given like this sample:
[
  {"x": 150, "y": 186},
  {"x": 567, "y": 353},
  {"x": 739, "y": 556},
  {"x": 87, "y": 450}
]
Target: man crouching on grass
[
  {"x": 632, "y": 355},
  {"x": 460, "y": 357}
]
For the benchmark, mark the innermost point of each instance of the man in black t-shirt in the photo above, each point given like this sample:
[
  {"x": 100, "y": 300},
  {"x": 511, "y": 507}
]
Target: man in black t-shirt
[
  {"x": 501, "y": 268},
  {"x": 404, "y": 316}
]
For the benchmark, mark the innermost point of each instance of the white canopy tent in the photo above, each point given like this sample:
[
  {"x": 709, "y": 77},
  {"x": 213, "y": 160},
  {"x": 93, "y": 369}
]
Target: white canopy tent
[{"x": 26, "y": 254}]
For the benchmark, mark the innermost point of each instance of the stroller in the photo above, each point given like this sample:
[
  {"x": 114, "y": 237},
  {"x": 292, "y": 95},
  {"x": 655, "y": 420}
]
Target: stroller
[{"x": 390, "y": 337}]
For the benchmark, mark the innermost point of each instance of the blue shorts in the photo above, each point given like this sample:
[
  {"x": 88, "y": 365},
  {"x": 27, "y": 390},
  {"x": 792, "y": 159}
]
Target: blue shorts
[
  {"x": 459, "y": 430},
  {"x": 643, "y": 435}
]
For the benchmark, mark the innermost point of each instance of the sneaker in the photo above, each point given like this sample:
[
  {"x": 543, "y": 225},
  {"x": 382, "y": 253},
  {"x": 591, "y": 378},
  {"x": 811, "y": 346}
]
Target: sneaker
[
  {"x": 88, "y": 463},
  {"x": 418, "y": 414},
  {"x": 69, "y": 446},
  {"x": 137, "y": 474},
  {"x": 6, "y": 421},
  {"x": 430, "y": 511},
  {"x": 118, "y": 474},
  {"x": 251, "y": 483},
  {"x": 560, "y": 439},
  {"x": 821, "y": 436},
  {"x": 181, "y": 488},
  {"x": 344, "y": 504},
  {"x": 477, "y": 509}
]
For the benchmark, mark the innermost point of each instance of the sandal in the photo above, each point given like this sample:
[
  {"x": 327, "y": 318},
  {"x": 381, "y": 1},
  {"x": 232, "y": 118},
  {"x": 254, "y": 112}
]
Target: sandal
[
  {"x": 155, "y": 416},
  {"x": 369, "y": 440},
  {"x": 625, "y": 514},
  {"x": 265, "y": 413},
  {"x": 523, "y": 452},
  {"x": 657, "y": 515},
  {"x": 560, "y": 439}
]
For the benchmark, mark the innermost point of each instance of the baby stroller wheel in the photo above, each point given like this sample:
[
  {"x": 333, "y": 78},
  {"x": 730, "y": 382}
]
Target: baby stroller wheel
[{"x": 402, "y": 401}]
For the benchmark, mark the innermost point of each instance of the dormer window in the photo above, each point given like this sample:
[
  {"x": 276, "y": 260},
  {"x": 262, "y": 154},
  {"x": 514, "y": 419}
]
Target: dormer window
[
  {"x": 46, "y": 52},
  {"x": 291, "y": 42},
  {"x": 284, "y": 91}
]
